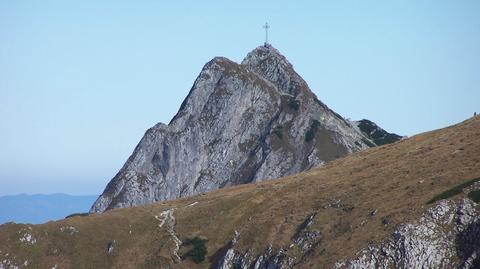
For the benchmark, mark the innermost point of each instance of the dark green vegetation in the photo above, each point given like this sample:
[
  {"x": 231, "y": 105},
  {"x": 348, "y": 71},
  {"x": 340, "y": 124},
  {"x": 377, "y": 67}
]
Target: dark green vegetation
[
  {"x": 294, "y": 104},
  {"x": 370, "y": 144},
  {"x": 198, "y": 249},
  {"x": 378, "y": 135},
  {"x": 453, "y": 191},
  {"x": 474, "y": 195},
  {"x": 77, "y": 215},
  {"x": 310, "y": 134}
]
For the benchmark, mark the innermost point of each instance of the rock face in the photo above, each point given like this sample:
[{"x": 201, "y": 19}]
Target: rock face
[
  {"x": 268, "y": 259},
  {"x": 378, "y": 135},
  {"x": 240, "y": 123},
  {"x": 447, "y": 236},
  {"x": 305, "y": 240}
]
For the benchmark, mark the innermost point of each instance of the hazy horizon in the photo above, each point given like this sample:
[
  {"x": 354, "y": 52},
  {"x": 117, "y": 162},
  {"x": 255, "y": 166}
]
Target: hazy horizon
[
  {"x": 81, "y": 82},
  {"x": 40, "y": 208},
  {"x": 48, "y": 194}
]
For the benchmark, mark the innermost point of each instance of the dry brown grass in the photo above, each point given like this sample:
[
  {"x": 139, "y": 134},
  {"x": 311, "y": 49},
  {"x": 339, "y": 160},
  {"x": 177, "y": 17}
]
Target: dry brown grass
[{"x": 397, "y": 180}]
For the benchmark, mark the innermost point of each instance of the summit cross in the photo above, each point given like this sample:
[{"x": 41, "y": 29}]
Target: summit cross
[{"x": 266, "y": 26}]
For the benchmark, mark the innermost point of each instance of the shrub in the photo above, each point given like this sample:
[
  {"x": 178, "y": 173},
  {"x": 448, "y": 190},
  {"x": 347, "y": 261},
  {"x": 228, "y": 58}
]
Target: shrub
[
  {"x": 77, "y": 215},
  {"x": 474, "y": 195},
  {"x": 294, "y": 104},
  {"x": 453, "y": 191},
  {"x": 198, "y": 251}
]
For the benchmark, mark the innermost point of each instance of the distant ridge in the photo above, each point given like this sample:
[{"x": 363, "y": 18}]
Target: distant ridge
[{"x": 40, "y": 208}]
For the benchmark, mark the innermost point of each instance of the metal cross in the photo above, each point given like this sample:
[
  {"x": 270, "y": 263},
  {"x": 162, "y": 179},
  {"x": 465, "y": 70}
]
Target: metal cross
[{"x": 266, "y": 26}]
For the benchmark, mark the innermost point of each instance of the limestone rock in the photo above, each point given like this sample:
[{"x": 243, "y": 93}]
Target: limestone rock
[
  {"x": 240, "y": 123},
  {"x": 446, "y": 236}
]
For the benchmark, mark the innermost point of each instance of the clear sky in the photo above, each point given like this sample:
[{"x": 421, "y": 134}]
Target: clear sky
[{"x": 81, "y": 81}]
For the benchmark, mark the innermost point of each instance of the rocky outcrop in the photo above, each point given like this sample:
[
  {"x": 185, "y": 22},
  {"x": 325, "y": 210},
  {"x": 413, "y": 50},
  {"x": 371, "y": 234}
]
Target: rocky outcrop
[
  {"x": 376, "y": 134},
  {"x": 266, "y": 260},
  {"x": 240, "y": 123},
  {"x": 305, "y": 240},
  {"x": 446, "y": 236}
]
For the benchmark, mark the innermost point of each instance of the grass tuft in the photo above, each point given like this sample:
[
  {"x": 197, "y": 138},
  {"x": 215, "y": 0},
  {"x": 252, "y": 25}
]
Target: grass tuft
[{"x": 453, "y": 191}]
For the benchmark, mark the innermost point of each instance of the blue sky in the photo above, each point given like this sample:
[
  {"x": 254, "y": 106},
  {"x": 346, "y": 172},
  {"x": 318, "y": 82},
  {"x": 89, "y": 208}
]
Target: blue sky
[{"x": 81, "y": 81}]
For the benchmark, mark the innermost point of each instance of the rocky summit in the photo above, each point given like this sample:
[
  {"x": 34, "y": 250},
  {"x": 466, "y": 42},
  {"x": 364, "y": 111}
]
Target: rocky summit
[{"x": 240, "y": 123}]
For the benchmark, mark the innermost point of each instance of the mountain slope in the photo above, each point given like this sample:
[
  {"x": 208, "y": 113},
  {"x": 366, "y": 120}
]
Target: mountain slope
[
  {"x": 322, "y": 218},
  {"x": 39, "y": 208},
  {"x": 240, "y": 123}
]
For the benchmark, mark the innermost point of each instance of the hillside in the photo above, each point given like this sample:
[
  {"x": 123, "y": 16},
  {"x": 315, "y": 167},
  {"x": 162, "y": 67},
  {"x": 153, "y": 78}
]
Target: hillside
[{"x": 322, "y": 218}]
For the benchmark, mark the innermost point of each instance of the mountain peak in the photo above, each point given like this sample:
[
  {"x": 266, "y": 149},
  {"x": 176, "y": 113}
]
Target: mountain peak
[
  {"x": 269, "y": 63},
  {"x": 240, "y": 123},
  {"x": 265, "y": 54},
  {"x": 264, "y": 50}
]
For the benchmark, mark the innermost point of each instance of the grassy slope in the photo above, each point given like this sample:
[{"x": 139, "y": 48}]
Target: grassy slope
[{"x": 397, "y": 180}]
